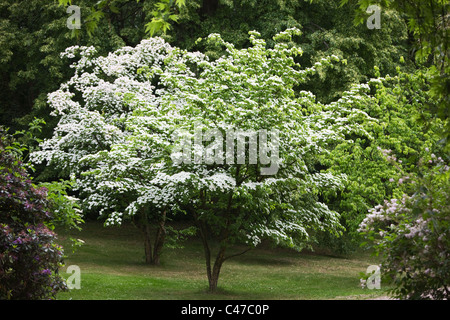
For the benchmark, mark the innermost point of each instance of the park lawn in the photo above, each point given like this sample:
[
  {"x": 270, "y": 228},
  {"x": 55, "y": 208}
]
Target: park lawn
[{"x": 112, "y": 267}]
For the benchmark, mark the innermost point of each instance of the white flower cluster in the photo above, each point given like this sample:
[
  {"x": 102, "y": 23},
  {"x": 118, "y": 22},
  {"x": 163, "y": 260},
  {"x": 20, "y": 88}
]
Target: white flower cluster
[
  {"x": 385, "y": 213},
  {"x": 418, "y": 228}
]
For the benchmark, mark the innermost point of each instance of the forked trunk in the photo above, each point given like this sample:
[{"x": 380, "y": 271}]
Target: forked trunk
[
  {"x": 214, "y": 278},
  {"x": 212, "y": 273},
  {"x": 153, "y": 253}
]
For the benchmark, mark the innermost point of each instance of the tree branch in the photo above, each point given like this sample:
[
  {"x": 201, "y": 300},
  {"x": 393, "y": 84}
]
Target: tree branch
[{"x": 237, "y": 254}]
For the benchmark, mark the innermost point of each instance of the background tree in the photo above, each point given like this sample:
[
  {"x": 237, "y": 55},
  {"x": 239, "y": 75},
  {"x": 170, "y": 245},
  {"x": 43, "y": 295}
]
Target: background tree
[
  {"x": 397, "y": 104},
  {"x": 429, "y": 25},
  {"x": 33, "y": 34},
  {"x": 31, "y": 65}
]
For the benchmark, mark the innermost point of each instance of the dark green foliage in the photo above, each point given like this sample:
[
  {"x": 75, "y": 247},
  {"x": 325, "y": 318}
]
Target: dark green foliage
[
  {"x": 429, "y": 27},
  {"x": 410, "y": 111},
  {"x": 326, "y": 29},
  {"x": 29, "y": 256},
  {"x": 32, "y": 36}
]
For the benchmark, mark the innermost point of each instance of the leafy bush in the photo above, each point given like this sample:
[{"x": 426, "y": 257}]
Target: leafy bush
[
  {"x": 29, "y": 256},
  {"x": 413, "y": 233}
]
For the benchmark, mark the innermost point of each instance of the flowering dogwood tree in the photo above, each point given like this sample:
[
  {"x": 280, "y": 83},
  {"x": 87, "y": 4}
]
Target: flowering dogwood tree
[{"x": 125, "y": 118}]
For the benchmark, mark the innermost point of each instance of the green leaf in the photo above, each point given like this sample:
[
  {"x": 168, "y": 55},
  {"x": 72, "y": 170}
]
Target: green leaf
[
  {"x": 114, "y": 9},
  {"x": 174, "y": 17},
  {"x": 64, "y": 2},
  {"x": 180, "y": 3}
]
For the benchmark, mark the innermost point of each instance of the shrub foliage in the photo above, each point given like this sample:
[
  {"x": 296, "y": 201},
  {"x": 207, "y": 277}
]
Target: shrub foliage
[{"x": 29, "y": 256}]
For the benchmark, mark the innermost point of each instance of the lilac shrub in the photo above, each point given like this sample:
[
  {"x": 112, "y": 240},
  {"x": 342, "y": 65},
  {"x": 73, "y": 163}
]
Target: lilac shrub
[
  {"x": 29, "y": 256},
  {"x": 412, "y": 233}
]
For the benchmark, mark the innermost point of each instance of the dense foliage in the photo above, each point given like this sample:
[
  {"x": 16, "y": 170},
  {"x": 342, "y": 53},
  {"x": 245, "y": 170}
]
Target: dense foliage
[
  {"x": 412, "y": 232},
  {"x": 429, "y": 26},
  {"x": 29, "y": 256},
  {"x": 32, "y": 43},
  {"x": 403, "y": 122}
]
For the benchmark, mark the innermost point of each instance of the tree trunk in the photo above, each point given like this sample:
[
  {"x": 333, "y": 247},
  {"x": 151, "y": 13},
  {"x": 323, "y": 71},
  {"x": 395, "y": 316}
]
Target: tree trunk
[
  {"x": 214, "y": 278},
  {"x": 152, "y": 252},
  {"x": 206, "y": 249},
  {"x": 212, "y": 273},
  {"x": 159, "y": 240},
  {"x": 147, "y": 244}
]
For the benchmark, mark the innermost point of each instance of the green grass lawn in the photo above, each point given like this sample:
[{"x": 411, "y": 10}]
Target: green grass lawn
[{"x": 112, "y": 267}]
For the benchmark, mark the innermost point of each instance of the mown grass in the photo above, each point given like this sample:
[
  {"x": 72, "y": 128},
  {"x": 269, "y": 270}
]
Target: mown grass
[{"x": 112, "y": 267}]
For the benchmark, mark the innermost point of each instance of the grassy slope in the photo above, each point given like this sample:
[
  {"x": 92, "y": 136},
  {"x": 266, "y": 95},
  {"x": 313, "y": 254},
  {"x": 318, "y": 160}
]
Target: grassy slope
[{"x": 112, "y": 267}]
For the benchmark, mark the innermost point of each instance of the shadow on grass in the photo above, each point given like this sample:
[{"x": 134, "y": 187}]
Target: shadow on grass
[{"x": 113, "y": 267}]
